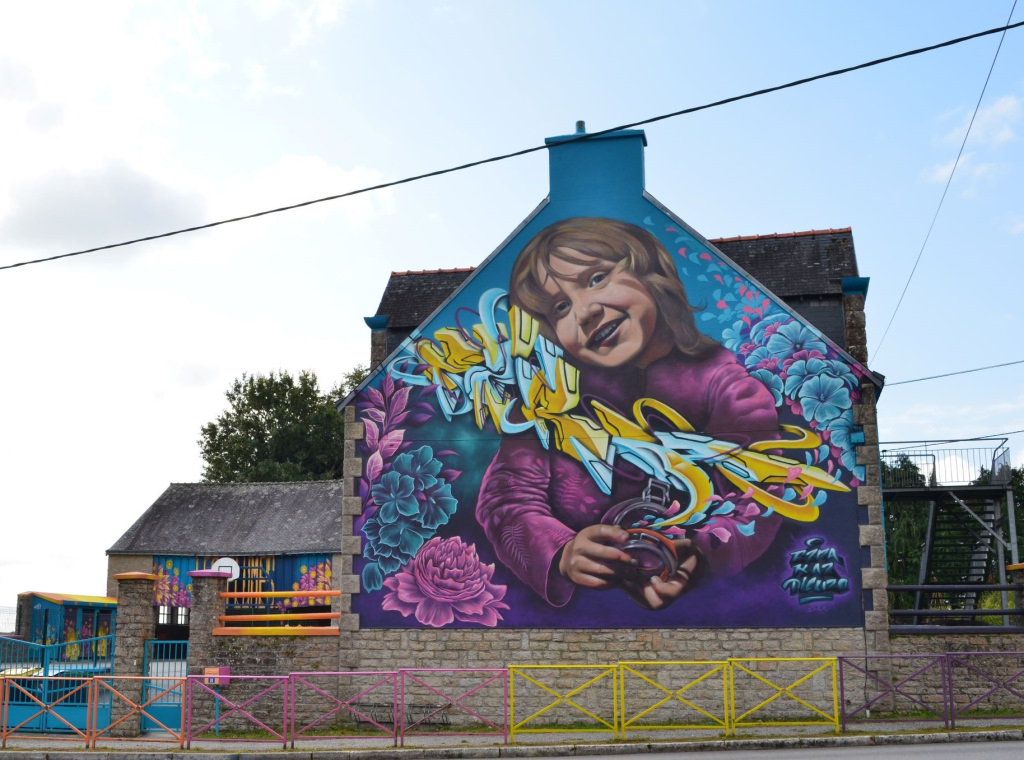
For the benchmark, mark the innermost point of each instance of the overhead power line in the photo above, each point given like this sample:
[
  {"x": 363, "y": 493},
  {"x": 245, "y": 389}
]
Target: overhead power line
[
  {"x": 961, "y": 372},
  {"x": 949, "y": 181},
  {"x": 526, "y": 151}
]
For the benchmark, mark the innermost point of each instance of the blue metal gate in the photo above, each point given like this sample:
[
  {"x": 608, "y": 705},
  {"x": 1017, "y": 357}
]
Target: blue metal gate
[
  {"x": 165, "y": 666},
  {"x": 49, "y": 688}
]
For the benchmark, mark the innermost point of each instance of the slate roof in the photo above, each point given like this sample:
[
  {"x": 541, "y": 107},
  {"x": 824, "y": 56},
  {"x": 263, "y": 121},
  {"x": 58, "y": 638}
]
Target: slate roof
[
  {"x": 201, "y": 519},
  {"x": 791, "y": 265},
  {"x": 411, "y": 297},
  {"x": 797, "y": 264}
]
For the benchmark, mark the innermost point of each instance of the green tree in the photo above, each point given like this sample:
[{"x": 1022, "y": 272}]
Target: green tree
[
  {"x": 906, "y": 527},
  {"x": 350, "y": 381},
  {"x": 277, "y": 428}
]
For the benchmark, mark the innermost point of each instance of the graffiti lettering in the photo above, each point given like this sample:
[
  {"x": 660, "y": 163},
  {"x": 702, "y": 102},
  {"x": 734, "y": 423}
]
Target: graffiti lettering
[
  {"x": 505, "y": 371},
  {"x": 815, "y": 573}
]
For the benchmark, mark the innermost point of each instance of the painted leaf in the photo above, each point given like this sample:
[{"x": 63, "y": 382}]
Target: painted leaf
[
  {"x": 390, "y": 442},
  {"x": 400, "y": 400},
  {"x": 372, "y": 434},
  {"x": 376, "y": 397},
  {"x": 374, "y": 466}
]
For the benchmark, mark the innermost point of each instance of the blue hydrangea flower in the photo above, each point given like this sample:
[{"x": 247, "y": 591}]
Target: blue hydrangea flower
[
  {"x": 800, "y": 371},
  {"x": 771, "y": 381},
  {"x": 372, "y": 578},
  {"x": 438, "y": 506},
  {"x": 823, "y": 397},
  {"x": 842, "y": 371},
  {"x": 735, "y": 336},
  {"x": 419, "y": 465},
  {"x": 758, "y": 329},
  {"x": 394, "y": 495},
  {"x": 840, "y": 429},
  {"x": 755, "y": 357},
  {"x": 792, "y": 337}
]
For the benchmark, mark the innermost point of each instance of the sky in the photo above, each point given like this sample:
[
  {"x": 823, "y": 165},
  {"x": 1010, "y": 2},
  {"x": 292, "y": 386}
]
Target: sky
[{"x": 125, "y": 119}]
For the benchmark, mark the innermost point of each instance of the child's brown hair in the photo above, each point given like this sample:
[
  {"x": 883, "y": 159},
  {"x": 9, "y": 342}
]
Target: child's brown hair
[{"x": 609, "y": 240}]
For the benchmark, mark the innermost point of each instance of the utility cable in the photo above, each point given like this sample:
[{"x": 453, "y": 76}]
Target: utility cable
[
  {"x": 945, "y": 190},
  {"x": 526, "y": 151},
  {"x": 950, "y": 374}
]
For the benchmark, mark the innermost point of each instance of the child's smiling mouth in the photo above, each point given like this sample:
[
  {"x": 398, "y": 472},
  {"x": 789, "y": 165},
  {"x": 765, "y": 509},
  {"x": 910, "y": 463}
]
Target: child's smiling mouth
[{"x": 604, "y": 334}]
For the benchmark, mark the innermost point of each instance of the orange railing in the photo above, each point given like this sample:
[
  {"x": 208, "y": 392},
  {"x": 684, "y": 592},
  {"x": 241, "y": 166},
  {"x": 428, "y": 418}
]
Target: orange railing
[{"x": 279, "y": 623}]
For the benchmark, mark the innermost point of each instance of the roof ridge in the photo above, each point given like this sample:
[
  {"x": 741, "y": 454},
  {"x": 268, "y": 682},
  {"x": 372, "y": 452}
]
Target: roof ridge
[
  {"x": 433, "y": 271},
  {"x": 776, "y": 235}
]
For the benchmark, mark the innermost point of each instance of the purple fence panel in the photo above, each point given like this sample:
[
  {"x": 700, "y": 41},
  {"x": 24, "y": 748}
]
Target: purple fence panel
[
  {"x": 454, "y": 702},
  {"x": 905, "y": 688},
  {"x": 331, "y": 704},
  {"x": 986, "y": 685},
  {"x": 243, "y": 706}
]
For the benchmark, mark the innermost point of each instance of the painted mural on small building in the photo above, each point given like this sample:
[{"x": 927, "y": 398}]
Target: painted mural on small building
[
  {"x": 303, "y": 572},
  {"x": 70, "y": 618},
  {"x": 610, "y": 425}
]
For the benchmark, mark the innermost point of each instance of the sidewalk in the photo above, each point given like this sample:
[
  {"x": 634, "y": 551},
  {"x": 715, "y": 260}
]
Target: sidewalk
[{"x": 443, "y": 747}]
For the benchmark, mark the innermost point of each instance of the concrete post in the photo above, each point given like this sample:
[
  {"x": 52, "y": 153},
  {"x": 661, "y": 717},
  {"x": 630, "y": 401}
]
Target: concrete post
[{"x": 136, "y": 624}]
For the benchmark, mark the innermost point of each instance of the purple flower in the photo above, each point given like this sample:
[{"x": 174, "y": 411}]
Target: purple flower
[{"x": 446, "y": 582}]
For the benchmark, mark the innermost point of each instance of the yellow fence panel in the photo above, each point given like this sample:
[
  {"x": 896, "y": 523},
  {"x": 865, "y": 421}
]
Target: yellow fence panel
[
  {"x": 783, "y": 691},
  {"x": 661, "y": 696},
  {"x": 563, "y": 699}
]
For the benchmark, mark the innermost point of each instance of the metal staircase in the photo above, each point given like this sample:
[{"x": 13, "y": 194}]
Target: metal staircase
[
  {"x": 970, "y": 535},
  {"x": 961, "y": 549}
]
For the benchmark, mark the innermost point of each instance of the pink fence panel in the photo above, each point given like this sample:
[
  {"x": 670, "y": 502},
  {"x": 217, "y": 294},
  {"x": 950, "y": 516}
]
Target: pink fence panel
[
  {"x": 339, "y": 704},
  {"x": 250, "y": 708},
  {"x": 454, "y": 702}
]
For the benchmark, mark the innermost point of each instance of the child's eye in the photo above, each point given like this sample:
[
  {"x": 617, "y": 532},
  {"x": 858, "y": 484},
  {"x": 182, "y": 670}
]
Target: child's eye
[
  {"x": 596, "y": 279},
  {"x": 560, "y": 309}
]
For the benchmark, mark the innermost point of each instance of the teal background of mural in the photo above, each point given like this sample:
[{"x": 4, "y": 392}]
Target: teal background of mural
[{"x": 813, "y": 384}]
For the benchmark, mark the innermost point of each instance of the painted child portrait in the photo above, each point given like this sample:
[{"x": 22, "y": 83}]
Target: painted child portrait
[
  {"x": 563, "y": 445},
  {"x": 607, "y": 293}
]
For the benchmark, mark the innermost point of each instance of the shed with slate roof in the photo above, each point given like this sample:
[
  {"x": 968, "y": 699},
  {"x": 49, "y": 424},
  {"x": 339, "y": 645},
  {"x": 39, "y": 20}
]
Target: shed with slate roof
[{"x": 284, "y": 536}]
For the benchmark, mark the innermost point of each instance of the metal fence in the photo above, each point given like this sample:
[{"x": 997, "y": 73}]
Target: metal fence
[
  {"x": 625, "y": 700},
  {"x": 913, "y": 464},
  {"x": 87, "y": 657}
]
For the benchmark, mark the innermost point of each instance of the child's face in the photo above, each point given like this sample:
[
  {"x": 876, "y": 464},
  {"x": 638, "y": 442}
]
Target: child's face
[{"x": 601, "y": 313}]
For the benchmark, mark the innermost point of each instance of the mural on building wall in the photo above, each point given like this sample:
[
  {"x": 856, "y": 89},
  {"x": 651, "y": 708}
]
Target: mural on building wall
[
  {"x": 610, "y": 427},
  {"x": 304, "y": 572},
  {"x": 72, "y": 619}
]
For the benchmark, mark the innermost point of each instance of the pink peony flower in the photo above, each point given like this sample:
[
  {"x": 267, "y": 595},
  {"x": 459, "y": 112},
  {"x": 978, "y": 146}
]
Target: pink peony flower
[{"x": 446, "y": 582}]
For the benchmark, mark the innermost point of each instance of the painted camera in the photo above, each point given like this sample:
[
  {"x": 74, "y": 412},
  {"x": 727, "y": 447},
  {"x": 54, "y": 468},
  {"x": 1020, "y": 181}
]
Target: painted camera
[{"x": 653, "y": 553}]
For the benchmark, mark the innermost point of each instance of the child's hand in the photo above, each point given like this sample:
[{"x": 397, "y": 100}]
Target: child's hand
[
  {"x": 590, "y": 558},
  {"x": 657, "y": 593}
]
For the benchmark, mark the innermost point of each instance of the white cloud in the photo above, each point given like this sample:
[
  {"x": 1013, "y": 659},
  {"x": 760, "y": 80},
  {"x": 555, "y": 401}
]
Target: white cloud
[
  {"x": 66, "y": 209},
  {"x": 966, "y": 171},
  {"x": 993, "y": 126}
]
